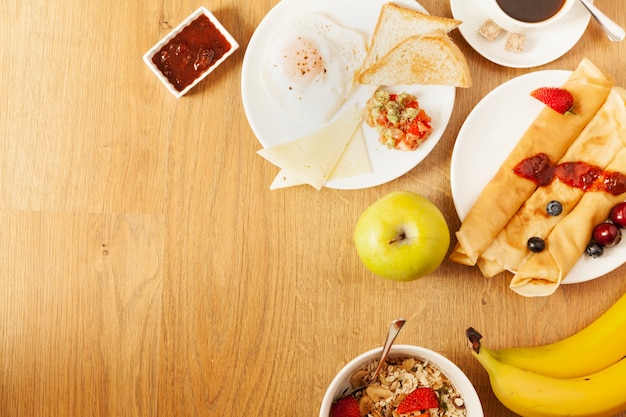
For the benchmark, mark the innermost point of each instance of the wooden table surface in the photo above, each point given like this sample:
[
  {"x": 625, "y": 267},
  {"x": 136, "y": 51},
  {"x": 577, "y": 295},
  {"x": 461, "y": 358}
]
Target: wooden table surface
[{"x": 147, "y": 270}]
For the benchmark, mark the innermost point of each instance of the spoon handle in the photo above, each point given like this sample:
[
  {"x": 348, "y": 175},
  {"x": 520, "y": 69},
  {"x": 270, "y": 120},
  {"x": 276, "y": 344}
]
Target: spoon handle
[
  {"x": 612, "y": 29},
  {"x": 394, "y": 329}
]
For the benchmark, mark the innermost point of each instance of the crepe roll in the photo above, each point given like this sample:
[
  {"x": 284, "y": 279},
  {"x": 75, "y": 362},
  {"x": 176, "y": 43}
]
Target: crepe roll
[
  {"x": 598, "y": 143},
  {"x": 551, "y": 133},
  {"x": 543, "y": 272}
]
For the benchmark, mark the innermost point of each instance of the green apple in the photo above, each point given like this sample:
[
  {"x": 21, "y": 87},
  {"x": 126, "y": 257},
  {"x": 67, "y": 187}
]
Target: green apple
[{"x": 402, "y": 237}]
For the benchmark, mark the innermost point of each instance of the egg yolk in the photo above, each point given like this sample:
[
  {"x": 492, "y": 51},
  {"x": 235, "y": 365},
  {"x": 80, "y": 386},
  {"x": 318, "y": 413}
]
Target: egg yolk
[{"x": 302, "y": 61}]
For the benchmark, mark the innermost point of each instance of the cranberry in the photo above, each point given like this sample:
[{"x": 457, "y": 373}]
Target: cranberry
[
  {"x": 618, "y": 215},
  {"x": 607, "y": 234}
]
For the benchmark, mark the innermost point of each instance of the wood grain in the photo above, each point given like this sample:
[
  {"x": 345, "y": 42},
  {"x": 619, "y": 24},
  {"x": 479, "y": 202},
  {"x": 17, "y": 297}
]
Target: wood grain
[{"x": 147, "y": 270}]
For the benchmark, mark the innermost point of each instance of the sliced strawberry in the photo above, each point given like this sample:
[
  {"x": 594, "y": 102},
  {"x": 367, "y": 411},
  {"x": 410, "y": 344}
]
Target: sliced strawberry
[
  {"x": 422, "y": 398},
  {"x": 558, "y": 99},
  {"x": 345, "y": 407}
]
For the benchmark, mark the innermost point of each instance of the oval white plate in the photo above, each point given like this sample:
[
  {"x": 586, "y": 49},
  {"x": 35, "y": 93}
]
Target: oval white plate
[
  {"x": 273, "y": 126},
  {"x": 541, "y": 46},
  {"x": 488, "y": 135}
]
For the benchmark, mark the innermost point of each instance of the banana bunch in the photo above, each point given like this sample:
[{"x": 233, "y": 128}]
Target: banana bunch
[
  {"x": 592, "y": 349},
  {"x": 581, "y": 375}
]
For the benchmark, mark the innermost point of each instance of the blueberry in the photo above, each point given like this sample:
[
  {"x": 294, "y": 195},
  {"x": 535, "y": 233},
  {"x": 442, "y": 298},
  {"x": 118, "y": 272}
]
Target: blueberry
[
  {"x": 554, "y": 208},
  {"x": 536, "y": 244},
  {"x": 594, "y": 249}
]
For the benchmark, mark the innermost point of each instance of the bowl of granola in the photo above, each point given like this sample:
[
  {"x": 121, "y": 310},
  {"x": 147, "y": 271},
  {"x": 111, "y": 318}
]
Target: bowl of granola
[{"x": 414, "y": 382}]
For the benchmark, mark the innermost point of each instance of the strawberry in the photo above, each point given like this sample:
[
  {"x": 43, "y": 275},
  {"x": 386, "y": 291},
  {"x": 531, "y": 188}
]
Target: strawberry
[
  {"x": 345, "y": 407},
  {"x": 558, "y": 99},
  {"x": 422, "y": 398}
]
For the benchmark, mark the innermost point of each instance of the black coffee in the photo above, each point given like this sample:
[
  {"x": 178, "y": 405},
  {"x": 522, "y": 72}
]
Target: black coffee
[{"x": 530, "y": 11}]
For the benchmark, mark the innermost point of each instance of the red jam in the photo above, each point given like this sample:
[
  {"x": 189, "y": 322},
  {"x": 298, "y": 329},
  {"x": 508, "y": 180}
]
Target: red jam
[
  {"x": 587, "y": 177},
  {"x": 612, "y": 182},
  {"x": 538, "y": 169},
  {"x": 191, "y": 52},
  {"x": 579, "y": 175}
]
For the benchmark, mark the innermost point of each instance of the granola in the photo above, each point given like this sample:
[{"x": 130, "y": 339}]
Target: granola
[{"x": 397, "y": 379}]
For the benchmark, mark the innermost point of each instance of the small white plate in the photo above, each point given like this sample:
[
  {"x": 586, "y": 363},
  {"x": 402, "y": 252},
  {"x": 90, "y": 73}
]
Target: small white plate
[
  {"x": 147, "y": 57},
  {"x": 541, "y": 46},
  {"x": 273, "y": 126},
  {"x": 488, "y": 135}
]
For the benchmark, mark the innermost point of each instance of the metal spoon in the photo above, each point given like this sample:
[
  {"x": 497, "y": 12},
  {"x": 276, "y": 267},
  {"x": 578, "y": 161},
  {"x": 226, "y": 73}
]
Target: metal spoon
[
  {"x": 612, "y": 29},
  {"x": 394, "y": 329}
]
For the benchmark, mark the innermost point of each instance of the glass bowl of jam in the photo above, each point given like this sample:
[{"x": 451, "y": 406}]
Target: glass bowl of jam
[{"x": 190, "y": 52}]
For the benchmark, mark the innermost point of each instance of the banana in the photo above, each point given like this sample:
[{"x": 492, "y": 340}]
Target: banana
[
  {"x": 602, "y": 394},
  {"x": 600, "y": 344}
]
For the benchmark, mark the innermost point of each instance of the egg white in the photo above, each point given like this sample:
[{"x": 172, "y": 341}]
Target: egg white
[{"x": 309, "y": 66}]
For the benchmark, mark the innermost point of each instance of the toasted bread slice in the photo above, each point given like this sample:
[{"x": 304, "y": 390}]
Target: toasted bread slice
[
  {"x": 396, "y": 23},
  {"x": 421, "y": 59}
]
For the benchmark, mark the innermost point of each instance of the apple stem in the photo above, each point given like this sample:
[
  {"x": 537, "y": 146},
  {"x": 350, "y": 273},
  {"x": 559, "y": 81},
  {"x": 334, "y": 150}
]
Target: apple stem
[{"x": 398, "y": 238}]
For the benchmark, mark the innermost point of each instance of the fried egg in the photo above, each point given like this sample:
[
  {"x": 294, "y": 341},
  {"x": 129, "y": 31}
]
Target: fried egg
[{"x": 310, "y": 65}]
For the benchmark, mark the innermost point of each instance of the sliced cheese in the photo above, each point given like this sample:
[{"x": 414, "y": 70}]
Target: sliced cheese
[
  {"x": 285, "y": 179},
  {"x": 313, "y": 157},
  {"x": 354, "y": 161}
]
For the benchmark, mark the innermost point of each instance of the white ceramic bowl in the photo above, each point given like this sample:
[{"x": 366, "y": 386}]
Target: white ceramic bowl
[
  {"x": 341, "y": 382},
  {"x": 147, "y": 58}
]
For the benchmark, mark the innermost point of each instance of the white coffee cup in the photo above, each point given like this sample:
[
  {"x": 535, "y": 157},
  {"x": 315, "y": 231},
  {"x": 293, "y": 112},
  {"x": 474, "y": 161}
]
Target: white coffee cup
[{"x": 515, "y": 23}]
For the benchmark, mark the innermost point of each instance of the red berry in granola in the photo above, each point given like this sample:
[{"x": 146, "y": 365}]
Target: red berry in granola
[
  {"x": 558, "y": 99},
  {"x": 422, "y": 398},
  {"x": 345, "y": 407}
]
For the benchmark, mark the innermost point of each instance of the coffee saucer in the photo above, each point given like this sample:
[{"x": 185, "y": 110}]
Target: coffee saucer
[{"x": 541, "y": 45}]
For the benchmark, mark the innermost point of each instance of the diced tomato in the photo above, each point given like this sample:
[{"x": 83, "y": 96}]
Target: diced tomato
[
  {"x": 423, "y": 116},
  {"x": 412, "y": 143},
  {"x": 411, "y": 104},
  {"x": 414, "y": 128}
]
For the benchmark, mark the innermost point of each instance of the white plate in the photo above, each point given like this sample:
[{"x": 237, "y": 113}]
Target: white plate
[
  {"x": 272, "y": 126},
  {"x": 486, "y": 138},
  {"x": 542, "y": 45}
]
